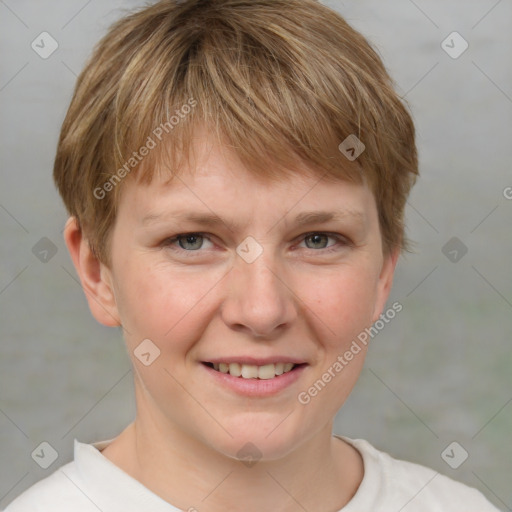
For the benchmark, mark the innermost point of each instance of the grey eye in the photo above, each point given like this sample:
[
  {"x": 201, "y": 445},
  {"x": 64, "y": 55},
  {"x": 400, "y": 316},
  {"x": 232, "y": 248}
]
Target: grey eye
[
  {"x": 317, "y": 240},
  {"x": 195, "y": 241}
]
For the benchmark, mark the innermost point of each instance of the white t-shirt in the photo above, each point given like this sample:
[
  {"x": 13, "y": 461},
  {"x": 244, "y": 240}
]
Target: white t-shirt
[{"x": 92, "y": 483}]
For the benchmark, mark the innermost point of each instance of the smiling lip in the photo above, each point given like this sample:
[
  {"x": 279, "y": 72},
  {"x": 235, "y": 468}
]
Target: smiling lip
[{"x": 255, "y": 387}]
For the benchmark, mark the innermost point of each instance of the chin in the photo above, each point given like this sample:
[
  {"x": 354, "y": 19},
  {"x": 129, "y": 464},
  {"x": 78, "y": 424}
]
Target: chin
[{"x": 254, "y": 440}]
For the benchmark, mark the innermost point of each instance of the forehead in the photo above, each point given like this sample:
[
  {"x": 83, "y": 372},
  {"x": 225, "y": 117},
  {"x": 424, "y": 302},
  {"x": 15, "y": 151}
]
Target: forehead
[{"x": 215, "y": 184}]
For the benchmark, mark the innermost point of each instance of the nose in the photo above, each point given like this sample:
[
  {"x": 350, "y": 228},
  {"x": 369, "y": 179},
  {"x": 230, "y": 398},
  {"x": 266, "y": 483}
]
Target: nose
[{"x": 259, "y": 299}]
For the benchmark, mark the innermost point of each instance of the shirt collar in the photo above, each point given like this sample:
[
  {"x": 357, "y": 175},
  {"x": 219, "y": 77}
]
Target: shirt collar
[{"x": 110, "y": 488}]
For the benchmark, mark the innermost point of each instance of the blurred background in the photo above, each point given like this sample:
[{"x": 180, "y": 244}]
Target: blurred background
[{"x": 437, "y": 385}]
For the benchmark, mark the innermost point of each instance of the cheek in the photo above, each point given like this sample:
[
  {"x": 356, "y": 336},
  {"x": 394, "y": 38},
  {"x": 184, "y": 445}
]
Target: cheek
[
  {"x": 342, "y": 303},
  {"x": 161, "y": 305},
  {"x": 341, "y": 307}
]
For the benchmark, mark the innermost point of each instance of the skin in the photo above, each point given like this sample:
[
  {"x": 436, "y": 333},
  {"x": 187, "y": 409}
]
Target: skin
[{"x": 296, "y": 299}]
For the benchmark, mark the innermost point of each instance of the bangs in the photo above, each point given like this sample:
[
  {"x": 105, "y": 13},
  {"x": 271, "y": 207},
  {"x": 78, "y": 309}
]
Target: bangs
[{"x": 275, "y": 113}]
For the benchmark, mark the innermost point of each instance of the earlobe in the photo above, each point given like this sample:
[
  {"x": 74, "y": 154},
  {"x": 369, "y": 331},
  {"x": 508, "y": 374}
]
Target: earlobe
[
  {"x": 385, "y": 282},
  {"x": 96, "y": 278}
]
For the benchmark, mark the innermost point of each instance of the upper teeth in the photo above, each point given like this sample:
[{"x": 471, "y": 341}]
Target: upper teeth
[{"x": 249, "y": 371}]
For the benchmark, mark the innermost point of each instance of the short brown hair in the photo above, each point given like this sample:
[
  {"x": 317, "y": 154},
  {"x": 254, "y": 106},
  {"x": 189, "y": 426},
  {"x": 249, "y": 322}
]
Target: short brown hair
[{"x": 282, "y": 82}]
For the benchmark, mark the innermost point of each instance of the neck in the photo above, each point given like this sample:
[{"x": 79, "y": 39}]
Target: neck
[{"x": 322, "y": 474}]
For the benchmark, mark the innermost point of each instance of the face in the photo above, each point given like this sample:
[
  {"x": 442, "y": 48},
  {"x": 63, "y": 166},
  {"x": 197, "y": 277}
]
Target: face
[{"x": 226, "y": 273}]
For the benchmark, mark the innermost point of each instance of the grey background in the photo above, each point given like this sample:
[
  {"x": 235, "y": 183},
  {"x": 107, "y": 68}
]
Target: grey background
[{"x": 439, "y": 372}]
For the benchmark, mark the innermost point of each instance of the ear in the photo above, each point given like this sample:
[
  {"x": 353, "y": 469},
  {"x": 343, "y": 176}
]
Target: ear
[
  {"x": 385, "y": 282},
  {"x": 96, "y": 277}
]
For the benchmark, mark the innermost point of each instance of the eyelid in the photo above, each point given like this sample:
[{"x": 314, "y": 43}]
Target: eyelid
[
  {"x": 337, "y": 236},
  {"x": 167, "y": 242},
  {"x": 342, "y": 241}
]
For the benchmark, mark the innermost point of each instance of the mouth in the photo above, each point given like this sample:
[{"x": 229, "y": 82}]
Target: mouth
[{"x": 250, "y": 371}]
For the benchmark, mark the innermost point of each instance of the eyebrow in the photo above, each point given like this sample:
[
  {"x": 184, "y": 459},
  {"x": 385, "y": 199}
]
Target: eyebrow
[{"x": 213, "y": 220}]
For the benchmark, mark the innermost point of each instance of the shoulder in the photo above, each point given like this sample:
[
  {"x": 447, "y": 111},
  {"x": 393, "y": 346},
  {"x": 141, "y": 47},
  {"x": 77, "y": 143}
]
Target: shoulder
[
  {"x": 432, "y": 490},
  {"x": 412, "y": 487},
  {"x": 57, "y": 492}
]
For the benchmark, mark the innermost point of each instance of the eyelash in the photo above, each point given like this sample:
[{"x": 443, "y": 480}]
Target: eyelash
[{"x": 341, "y": 240}]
